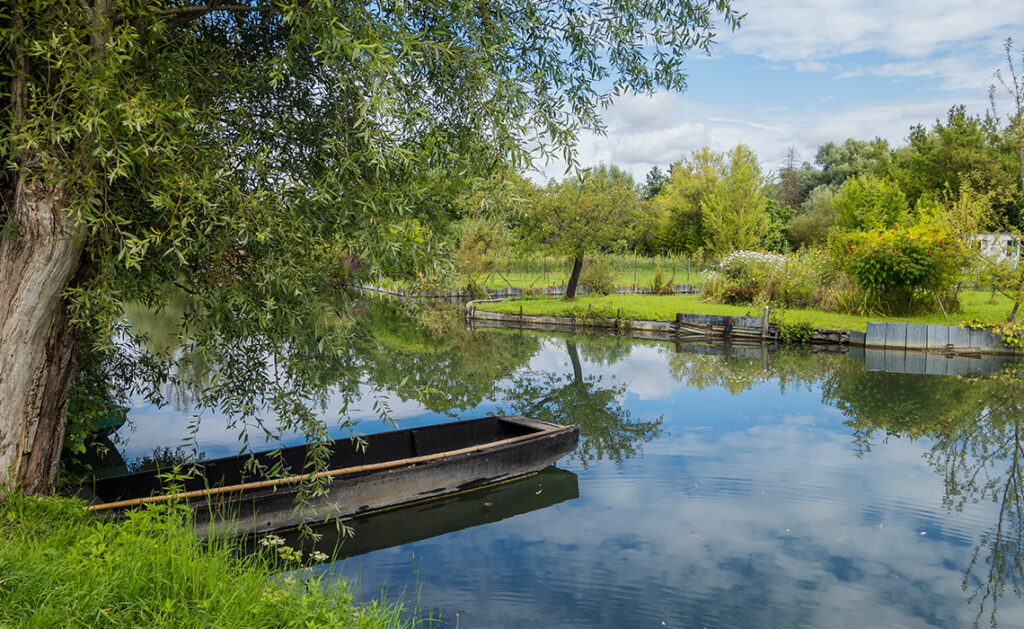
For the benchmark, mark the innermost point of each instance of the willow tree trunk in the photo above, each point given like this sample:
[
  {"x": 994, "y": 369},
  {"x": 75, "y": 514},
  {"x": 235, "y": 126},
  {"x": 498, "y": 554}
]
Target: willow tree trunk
[
  {"x": 37, "y": 263},
  {"x": 574, "y": 277}
]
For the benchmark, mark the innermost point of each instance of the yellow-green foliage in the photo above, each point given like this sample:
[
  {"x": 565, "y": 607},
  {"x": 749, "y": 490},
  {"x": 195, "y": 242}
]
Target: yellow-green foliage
[
  {"x": 59, "y": 568},
  {"x": 865, "y": 203},
  {"x": 901, "y": 268},
  {"x": 714, "y": 201}
]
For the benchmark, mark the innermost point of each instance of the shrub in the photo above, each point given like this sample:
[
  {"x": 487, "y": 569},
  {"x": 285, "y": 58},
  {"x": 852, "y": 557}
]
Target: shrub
[
  {"x": 746, "y": 277},
  {"x": 902, "y": 269},
  {"x": 659, "y": 285},
  {"x": 598, "y": 275}
]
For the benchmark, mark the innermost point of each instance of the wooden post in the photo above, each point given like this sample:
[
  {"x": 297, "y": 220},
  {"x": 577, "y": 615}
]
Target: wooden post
[
  {"x": 764, "y": 323},
  {"x": 618, "y": 315},
  {"x": 679, "y": 324},
  {"x": 727, "y": 331},
  {"x": 520, "y": 317}
]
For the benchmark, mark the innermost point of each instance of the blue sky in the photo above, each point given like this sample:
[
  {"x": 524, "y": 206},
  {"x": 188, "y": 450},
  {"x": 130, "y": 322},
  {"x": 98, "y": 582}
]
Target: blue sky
[{"x": 799, "y": 73}]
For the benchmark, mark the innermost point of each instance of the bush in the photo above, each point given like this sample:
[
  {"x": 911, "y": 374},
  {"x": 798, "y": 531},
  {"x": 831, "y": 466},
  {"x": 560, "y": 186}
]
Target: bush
[
  {"x": 747, "y": 277},
  {"x": 659, "y": 285},
  {"x": 903, "y": 270},
  {"x": 598, "y": 275}
]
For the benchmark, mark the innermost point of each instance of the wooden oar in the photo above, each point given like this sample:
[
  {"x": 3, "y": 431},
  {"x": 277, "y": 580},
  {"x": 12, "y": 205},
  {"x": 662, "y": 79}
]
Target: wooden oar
[{"x": 201, "y": 493}]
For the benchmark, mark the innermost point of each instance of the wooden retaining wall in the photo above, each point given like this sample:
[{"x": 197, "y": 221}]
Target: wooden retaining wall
[
  {"x": 684, "y": 327},
  {"x": 901, "y": 336}
]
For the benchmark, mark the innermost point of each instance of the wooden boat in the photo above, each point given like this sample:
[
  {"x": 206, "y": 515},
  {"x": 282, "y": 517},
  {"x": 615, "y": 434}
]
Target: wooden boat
[
  {"x": 384, "y": 470},
  {"x": 447, "y": 514}
]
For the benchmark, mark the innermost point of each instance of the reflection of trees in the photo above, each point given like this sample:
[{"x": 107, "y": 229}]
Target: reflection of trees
[
  {"x": 790, "y": 368},
  {"x": 607, "y": 429},
  {"x": 907, "y": 405},
  {"x": 977, "y": 425},
  {"x": 434, "y": 359}
]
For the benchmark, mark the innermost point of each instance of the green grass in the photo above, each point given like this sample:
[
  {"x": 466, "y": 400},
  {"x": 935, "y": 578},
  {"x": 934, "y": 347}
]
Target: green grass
[
  {"x": 59, "y": 568},
  {"x": 629, "y": 270},
  {"x": 974, "y": 305}
]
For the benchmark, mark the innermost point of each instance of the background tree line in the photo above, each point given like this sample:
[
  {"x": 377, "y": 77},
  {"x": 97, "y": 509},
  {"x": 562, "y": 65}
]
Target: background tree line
[{"x": 709, "y": 203}]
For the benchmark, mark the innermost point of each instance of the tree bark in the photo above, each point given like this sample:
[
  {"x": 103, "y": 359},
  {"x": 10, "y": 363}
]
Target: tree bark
[
  {"x": 574, "y": 278},
  {"x": 37, "y": 344}
]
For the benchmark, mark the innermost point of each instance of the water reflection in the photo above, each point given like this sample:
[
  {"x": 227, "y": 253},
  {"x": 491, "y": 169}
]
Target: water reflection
[
  {"x": 721, "y": 486},
  {"x": 394, "y": 527},
  {"x": 976, "y": 428},
  {"x": 607, "y": 428}
]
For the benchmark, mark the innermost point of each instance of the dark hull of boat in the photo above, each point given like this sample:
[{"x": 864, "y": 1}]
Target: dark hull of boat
[
  {"x": 460, "y": 458},
  {"x": 419, "y": 521}
]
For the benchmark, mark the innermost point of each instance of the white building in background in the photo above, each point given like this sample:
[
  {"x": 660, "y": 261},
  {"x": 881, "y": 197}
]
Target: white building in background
[{"x": 998, "y": 247}]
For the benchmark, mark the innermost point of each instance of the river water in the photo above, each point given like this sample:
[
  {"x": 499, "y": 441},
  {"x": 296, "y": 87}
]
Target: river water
[{"x": 713, "y": 487}]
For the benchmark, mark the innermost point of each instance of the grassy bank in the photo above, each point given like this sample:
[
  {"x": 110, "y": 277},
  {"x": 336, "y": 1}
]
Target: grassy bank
[
  {"x": 59, "y": 568},
  {"x": 974, "y": 305}
]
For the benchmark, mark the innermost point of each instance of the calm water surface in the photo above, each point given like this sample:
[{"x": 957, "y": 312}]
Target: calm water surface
[{"x": 785, "y": 490}]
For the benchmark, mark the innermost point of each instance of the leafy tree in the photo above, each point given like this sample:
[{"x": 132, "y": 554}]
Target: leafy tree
[
  {"x": 965, "y": 215},
  {"x": 258, "y": 155},
  {"x": 734, "y": 213},
  {"x": 681, "y": 198},
  {"x": 776, "y": 237},
  {"x": 817, "y": 216},
  {"x": 865, "y": 203},
  {"x": 795, "y": 182},
  {"x": 655, "y": 181},
  {"x": 715, "y": 202},
  {"x": 963, "y": 151},
  {"x": 580, "y": 215},
  {"x": 480, "y": 242},
  {"x": 852, "y": 158},
  {"x": 1013, "y": 84}
]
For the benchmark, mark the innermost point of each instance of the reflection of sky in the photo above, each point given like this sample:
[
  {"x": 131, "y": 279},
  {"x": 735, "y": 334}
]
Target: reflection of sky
[{"x": 750, "y": 510}]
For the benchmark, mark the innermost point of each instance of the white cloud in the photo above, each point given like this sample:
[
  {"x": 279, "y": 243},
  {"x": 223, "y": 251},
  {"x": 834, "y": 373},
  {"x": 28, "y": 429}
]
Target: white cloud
[
  {"x": 817, "y": 30},
  {"x": 678, "y": 126}
]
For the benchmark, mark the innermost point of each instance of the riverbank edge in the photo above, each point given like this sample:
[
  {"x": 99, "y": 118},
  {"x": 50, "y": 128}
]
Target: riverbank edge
[
  {"x": 895, "y": 336},
  {"x": 60, "y": 567}
]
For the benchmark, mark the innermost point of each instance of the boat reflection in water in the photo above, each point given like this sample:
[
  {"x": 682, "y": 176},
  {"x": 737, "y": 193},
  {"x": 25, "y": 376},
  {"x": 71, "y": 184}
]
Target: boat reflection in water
[{"x": 412, "y": 523}]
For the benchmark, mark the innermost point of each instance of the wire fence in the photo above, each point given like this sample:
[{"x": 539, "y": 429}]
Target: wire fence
[{"x": 629, "y": 271}]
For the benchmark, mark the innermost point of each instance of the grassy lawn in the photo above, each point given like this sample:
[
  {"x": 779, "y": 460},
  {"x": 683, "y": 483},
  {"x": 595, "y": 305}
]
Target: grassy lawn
[{"x": 664, "y": 308}]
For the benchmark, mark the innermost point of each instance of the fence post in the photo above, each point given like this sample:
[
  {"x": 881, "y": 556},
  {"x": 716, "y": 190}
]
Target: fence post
[
  {"x": 764, "y": 323},
  {"x": 679, "y": 324}
]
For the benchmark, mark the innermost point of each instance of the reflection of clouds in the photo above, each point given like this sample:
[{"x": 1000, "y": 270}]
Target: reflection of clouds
[
  {"x": 775, "y": 525},
  {"x": 750, "y": 510},
  {"x": 643, "y": 370}
]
